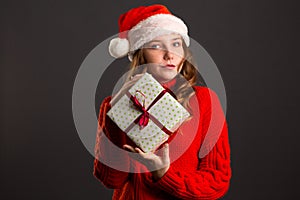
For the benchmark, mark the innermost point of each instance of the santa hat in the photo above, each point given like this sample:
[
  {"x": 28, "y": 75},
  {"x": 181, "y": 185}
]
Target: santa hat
[{"x": 141, "y": 25}]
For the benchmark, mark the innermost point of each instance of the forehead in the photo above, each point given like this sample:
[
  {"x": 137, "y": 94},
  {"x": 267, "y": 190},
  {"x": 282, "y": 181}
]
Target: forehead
[{"x": 167, "y": 37}]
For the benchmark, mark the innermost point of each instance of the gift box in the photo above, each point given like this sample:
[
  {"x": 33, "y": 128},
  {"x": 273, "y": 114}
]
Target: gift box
[{"x": 148, "y": 114}]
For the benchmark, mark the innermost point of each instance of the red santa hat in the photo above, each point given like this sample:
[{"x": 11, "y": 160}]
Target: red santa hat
[{"x": 141, "y": 25}]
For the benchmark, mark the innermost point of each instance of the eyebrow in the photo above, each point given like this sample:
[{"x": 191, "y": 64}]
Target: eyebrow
[
  {"x": 176, "y": 38},
  {"x": 161, "y": 40}
]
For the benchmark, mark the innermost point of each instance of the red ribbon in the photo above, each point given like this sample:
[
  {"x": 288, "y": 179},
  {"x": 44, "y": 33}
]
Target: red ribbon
[{"x": 144, "y": 118}]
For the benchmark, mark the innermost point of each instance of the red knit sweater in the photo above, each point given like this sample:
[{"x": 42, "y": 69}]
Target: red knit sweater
[{"x": 189, "y": 176}]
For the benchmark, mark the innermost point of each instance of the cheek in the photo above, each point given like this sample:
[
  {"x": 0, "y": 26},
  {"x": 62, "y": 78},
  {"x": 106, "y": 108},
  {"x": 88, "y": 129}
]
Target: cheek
[
  {"x": 148, "y": 56},
  {"x": 153, "y": 70},
  {"x": 178, "y": 52},
  {"x": 152, "y": 56}
]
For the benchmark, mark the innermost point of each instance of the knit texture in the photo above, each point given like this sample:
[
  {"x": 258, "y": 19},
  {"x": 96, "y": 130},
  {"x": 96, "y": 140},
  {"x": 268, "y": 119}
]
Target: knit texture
[{"x": 189, "y": 177}]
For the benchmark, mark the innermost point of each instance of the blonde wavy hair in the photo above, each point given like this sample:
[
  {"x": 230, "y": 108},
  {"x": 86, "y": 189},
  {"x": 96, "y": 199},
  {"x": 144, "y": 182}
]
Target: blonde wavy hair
[{"x": 183, "y": 87}]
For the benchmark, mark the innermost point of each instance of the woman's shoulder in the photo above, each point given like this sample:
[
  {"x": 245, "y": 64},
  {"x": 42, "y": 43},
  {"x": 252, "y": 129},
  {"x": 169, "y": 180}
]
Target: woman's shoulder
[
  {"x": 106, "y": 100},
  {"x": 205, "y": 94},
  {"x": 105, "y": 105},
  {"x": 198, "y": 88},
  {"x": 202, "y": 91}
]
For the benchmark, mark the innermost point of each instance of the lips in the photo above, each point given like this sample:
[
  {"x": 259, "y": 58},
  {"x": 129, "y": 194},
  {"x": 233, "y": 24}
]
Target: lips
[{"x": 170, "y": 66}]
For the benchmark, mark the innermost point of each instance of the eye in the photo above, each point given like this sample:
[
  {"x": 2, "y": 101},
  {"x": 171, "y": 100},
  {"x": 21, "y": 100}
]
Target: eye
[
  {"x": 155, "y": 46},
  {"x": 177, "y": 44}
]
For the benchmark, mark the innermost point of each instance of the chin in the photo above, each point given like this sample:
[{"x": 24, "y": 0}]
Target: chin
[{"x": 165, "y": 78}]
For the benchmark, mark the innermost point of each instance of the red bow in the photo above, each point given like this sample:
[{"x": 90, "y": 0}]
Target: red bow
[{"x": 144, "y": 118}]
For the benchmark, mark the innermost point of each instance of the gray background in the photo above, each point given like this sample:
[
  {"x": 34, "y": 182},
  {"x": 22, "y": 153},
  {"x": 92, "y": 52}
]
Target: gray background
[{"x": 255, "y": 45}]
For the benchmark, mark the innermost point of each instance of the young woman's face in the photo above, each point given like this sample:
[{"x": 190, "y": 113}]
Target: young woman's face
[{"x": 167, "y": 55}]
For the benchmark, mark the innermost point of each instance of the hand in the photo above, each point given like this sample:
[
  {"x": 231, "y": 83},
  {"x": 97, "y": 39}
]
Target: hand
[
  {"x": 157, "y": 164},
  {"x": 125, "y": 87}
]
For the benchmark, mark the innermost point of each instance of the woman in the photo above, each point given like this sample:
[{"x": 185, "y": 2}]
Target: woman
[{"x": 157, "y": 42}]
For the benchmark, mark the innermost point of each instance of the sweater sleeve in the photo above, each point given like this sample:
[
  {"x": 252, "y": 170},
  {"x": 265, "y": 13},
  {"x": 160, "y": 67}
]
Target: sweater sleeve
[
  {"x": 211, "y": 178},
  {"x": 111, "y": 164}
]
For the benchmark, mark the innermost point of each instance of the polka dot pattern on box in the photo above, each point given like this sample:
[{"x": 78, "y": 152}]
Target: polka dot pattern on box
[
  {"x": 148, "y": 138},
  {"x": 169, "y": 112},
  {"x": 149, "y": 87},
  {"x": 123, "y": 113}
]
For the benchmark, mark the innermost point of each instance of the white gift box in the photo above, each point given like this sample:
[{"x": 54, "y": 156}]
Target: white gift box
[{"x": 166, "y": 114}]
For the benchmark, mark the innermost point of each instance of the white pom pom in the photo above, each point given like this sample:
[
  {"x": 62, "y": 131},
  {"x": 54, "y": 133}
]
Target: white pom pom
[{"x": 118, "y": 47}]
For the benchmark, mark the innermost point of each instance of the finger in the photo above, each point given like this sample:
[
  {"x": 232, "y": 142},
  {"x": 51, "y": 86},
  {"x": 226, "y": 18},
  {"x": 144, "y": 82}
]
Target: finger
[
  {"x": 135, "y": 155},
  {"x": 165, "y": 151},
  {"x": 145, "y": 156},
  {"x": 139, "y": 75},
  {"x": 138, "y": 150},
  {"x": 128, "y": 147},
  {"x": 136, "y": 77},
  {"x": 128, "y": 84}
]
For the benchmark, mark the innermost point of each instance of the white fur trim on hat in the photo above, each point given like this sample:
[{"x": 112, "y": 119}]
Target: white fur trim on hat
[
  {"x": 145, "y": 31},
  {"x": 154, "y": 26},
  {"x": 118, "y": 47}
]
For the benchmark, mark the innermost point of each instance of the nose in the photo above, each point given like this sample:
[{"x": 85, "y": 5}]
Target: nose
[{"x": 168, "y": 55}]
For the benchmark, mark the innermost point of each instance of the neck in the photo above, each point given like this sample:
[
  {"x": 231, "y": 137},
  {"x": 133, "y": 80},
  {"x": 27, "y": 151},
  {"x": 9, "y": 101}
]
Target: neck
[{"x": 169, "y": 84}]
